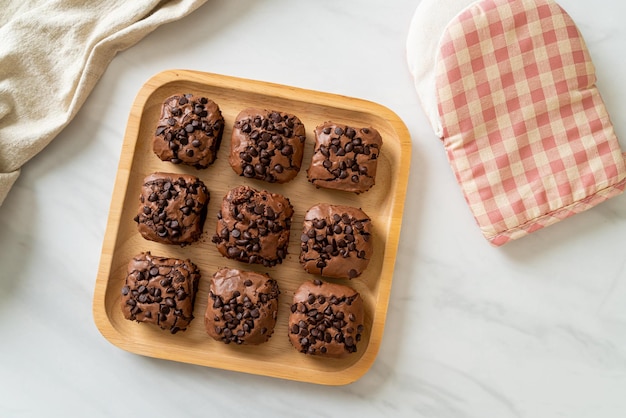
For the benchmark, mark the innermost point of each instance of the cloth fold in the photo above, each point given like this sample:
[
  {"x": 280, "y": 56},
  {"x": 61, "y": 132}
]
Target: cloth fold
[{"x": 51, "y": 56}]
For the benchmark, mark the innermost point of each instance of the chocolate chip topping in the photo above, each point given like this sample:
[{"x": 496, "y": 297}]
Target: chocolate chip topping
[
  {"x": 267, "y": 145},
  {"x": 172, "y": 208},
  {"x": 253, "y": 226},
  {"x": 336, "y": 241},
  {"x": 189, "y": 131},
  {"x": 345, "y": 158},
  {"x": 160, "y": 291},
  {"x": 326, "y": 319},
  {"x": 242, "y": 307}
]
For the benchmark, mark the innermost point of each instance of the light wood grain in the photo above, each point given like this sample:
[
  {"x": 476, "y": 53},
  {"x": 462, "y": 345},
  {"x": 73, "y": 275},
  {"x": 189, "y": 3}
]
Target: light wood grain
[{"x": 277, "y": 358}]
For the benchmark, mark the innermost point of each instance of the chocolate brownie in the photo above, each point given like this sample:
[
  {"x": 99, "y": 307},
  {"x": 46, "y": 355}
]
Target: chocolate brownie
[
  {"x": 345, "y": 158},
  {"x": 189, "y": 131},
  {"x": 242, "y": 307},
  {"x": 336, "y": 241},
  {"x": 253, "y": 226},
  {"x": 160, "y": 291},
  {"x": 172, "y": 208},
  {"x": 267, "y": 145},
  {"x": 326, "y": 319}
]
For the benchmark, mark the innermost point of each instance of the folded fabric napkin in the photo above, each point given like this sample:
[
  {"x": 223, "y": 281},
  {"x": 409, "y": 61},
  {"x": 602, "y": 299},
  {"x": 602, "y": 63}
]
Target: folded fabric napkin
[
  {"x": 52, "y": 54},
  {"x": 509, "y": 86}
]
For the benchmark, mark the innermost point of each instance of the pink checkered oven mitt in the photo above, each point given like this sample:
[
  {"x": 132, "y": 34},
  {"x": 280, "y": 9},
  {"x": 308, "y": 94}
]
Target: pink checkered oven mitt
[{"x": 524, "y": 127}]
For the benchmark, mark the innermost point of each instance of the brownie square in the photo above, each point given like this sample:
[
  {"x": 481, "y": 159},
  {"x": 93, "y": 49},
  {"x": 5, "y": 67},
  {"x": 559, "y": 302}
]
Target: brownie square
[
  {"x": 326, "y": 319},
  {"x": 242, "y": 307},
  {"x": 345, "y": 158},
  {"x": 336, "y": 241},
  {"x": 189, "y": 131},
  {"x": 267, "y": 145},
  {"x": 253, "y": 226},
  {"x": 172, "y": 208},
  {"x": 160, "y": 291}
]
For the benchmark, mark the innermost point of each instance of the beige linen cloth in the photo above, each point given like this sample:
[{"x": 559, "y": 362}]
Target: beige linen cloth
[{"x": 52, "y": 53}]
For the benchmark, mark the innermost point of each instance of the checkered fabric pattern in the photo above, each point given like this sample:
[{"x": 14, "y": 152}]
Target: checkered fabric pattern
[{"x": 524, "y": 127}]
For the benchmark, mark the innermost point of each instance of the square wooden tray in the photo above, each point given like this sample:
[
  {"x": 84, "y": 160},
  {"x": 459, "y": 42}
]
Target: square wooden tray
[{"x": 277, "y": 358}]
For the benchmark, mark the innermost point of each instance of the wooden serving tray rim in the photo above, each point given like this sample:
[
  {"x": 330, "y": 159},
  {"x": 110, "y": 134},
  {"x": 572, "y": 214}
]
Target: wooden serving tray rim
[{"x": 339, "y": 377}]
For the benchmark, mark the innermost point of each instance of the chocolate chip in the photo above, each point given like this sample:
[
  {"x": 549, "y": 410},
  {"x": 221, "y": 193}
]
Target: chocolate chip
[
  {"x": 181, "y": 294},
  {"x": 287, "y": 150},
  {"x": 248, "y": 171},
  {"x": 233, "y": 252},
  {"x": 319, "y": 223}
]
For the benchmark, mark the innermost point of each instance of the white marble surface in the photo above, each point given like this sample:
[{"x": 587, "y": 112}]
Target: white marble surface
[{"x": 534, "y": 329}]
